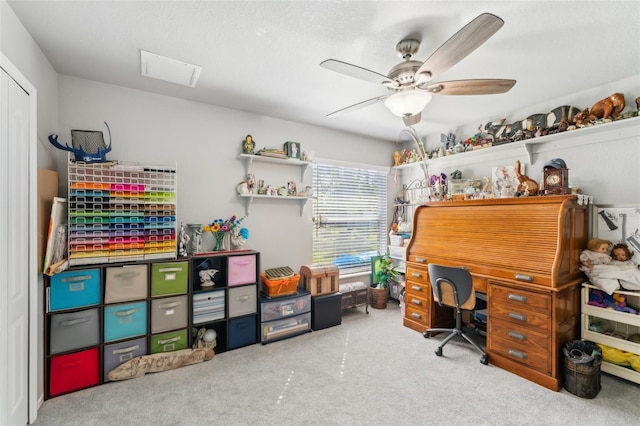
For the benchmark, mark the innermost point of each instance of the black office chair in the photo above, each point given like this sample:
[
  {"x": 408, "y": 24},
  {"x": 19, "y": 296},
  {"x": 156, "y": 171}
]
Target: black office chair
[{"x": 453, "y": 286}]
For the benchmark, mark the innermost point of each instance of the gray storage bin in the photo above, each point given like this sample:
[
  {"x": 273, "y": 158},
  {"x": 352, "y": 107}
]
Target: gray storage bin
[
  {"x": 119, "y": 353},
  {"x": 243, "y": 300},
  {"x": 169, "y": 313},
  {"x": 74, "y": 330}
]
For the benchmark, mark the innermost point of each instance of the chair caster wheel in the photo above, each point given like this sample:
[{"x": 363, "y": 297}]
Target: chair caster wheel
[
  {"x": 438, "y": 352},
  {"x": 426, "y": 334},
  {"x": 484, "y": 360}
]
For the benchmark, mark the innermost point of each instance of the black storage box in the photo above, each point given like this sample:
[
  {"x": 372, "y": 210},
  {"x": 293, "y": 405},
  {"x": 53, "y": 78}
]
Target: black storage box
[{"x": 326, "y": 311}]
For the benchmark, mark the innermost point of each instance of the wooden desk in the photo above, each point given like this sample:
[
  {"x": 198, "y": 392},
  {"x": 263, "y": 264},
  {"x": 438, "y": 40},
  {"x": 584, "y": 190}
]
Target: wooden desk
[{"x": 524, "y": 254}]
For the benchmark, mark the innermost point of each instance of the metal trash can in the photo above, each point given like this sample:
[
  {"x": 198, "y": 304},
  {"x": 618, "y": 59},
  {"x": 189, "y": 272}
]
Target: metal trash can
[{"x": 582, "y": 359}]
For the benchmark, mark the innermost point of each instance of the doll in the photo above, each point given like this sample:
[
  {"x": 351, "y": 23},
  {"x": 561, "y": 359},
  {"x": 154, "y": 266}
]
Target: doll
[
  {"x": 610, "y": 274},
  {"x": 596, "y": 253},
  {"x": 622, "y": 255}
]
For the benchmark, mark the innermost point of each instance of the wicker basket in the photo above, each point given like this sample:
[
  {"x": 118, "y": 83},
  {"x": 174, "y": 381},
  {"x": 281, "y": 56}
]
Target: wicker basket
[
  {"x": 280, "y": 287},
  {"x": 379, "y": 297}
]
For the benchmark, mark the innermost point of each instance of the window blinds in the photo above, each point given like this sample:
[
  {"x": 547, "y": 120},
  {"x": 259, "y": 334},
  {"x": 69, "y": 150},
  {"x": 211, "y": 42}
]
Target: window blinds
[{"x": 350, "y": 216}]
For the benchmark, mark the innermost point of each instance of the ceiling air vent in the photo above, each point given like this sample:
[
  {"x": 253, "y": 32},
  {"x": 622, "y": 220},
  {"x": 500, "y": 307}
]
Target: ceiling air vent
[{"x": 167, "y": 69}]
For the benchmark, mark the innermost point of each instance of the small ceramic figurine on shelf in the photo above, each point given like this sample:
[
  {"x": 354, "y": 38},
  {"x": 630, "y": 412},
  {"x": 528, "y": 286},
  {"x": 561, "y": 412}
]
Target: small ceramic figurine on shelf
[
  {"x": 184, "y": 240},
  {"x": 248, "y": 145},
  {"x": 206, "y": 277}
]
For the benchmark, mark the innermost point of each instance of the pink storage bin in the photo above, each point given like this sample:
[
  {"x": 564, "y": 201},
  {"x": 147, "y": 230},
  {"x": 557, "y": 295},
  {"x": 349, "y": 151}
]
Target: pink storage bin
[{"x": 242, "y": 270}]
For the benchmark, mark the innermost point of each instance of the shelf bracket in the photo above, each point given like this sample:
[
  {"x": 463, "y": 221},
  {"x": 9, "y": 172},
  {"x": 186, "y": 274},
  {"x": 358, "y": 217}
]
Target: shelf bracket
[
  {"x": 248, "y": 161},
  {"x": 247, "y": 205},
  {"x": 529, "y": 147},
  {"x": 303, "y": 170},
  {"x": 302, "y": 204}
]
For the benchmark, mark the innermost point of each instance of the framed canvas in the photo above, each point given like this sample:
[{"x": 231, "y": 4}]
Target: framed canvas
[
  {"x": 505, "y": 177},
  {"x": 618, "y": 224},
  {"x": 292, "y": 149},
  {"x": 375, "y": 267}
]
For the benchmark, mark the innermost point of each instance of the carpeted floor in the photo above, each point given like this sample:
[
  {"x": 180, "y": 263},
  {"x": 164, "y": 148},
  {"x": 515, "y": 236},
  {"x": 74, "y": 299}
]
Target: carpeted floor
[{"x": 370, "y": 370}]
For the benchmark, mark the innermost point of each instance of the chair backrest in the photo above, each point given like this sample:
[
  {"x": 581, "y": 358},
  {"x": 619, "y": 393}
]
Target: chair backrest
[{"x": 450, "y": 283}]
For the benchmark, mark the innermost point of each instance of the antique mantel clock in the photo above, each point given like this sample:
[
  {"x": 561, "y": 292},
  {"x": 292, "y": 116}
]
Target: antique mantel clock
[{"x": 556, "y": 177}]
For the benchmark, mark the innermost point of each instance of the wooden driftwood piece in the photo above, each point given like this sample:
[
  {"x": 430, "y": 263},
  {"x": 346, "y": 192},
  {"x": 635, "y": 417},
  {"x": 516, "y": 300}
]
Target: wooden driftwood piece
[{"x": 154, "y": 363}]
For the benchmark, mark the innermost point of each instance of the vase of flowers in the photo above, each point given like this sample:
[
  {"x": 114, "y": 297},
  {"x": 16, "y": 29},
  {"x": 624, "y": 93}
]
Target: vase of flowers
[{"x": 217, "y": 232}]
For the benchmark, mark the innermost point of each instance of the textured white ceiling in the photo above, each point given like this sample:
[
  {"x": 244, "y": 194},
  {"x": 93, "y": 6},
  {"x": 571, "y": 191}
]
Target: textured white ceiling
[{"x": 264, "y": 56}]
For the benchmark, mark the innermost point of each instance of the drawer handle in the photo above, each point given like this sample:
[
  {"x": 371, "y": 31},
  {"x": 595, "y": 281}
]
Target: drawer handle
[
  {"x": 518, "y": 317},
  {"x": 76, "y": 287},
  {"x": 125, "y": 350},
  {"x": 169, "y": 305},
  {"x": 416, "y": 315},
  {"x": 74, "y": 363},
  {"x": 170, "y": 270},
  {"x": 416, "y": 288},
  {"x": 74, "y": 321},
  {"x": 172, "y": 340},
  {"x": 125, "y": 313},
  {"x": 416, "y": 302},
  {"x": 517, "y": 335},
  {"x": 517, "y": 354},
  {"x": 416, "y": 275},
  {"x": 421, "y": 260},
  {"x": 78, "y": 278},
  {"x": 523, "y": 277},
  {"x": 517, "y": 298}
]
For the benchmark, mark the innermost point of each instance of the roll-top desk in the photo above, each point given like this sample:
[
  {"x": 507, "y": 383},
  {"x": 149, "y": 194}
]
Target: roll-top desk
[{"x": 524, "y": 254}]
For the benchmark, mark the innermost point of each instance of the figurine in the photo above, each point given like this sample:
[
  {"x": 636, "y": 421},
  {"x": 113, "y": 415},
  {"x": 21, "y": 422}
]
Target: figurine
[
  {"x": 397, "y": 158},
  {"x": 184, "y": 240},
  {"x": 608, "y": 107},
  {"x": 237, "y": 239},
  {"x": 251, "y": 183},
  {"x": 206, "y": 277},
  {"x": 527, "y": 185},
  {"x": 248, "y": 145}
]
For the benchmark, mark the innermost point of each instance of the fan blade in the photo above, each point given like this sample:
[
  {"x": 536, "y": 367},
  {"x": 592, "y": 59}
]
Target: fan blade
[
  {"x": 470, "y": 87},
  {"x": 465, "y": 41},
  {"x": 358, "y": 105},
  {"x": 410, "y": 120},
  {"x": 355, "y": 71}
]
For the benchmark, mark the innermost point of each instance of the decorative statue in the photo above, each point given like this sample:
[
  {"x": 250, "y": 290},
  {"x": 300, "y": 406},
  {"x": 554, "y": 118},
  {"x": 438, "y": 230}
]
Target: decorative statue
[
  {"x": 248, "y": 145},
  {"x": 184, "y": 240},
  {"x": 206, "y": 277},
  {"x": 527, "y": 186}
]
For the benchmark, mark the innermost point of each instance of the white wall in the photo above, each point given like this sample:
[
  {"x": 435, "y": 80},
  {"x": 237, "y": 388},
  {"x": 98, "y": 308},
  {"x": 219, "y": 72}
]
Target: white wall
[{"x": 205, "y": 142}]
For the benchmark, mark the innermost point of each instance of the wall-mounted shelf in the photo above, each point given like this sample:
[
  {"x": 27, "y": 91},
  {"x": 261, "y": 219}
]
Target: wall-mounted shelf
[
  {"x": 248, "y": 199},
  {"x": 583, "y": 136},
  {"x": 250, "y": 158}
]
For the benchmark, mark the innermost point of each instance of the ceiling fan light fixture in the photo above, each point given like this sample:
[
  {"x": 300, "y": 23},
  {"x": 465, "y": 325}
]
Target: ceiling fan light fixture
[{"x": 406, "y": 103}]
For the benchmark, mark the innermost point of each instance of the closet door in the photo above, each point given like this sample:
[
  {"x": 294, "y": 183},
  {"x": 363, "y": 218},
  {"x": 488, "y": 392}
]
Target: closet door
[{"x": 14, "y": 251}]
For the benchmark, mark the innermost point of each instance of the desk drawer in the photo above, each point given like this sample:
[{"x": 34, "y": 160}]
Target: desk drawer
[
  {"x": 519, "y": 316},
  {"x": 520, "y": 298},
  {"x": 417, "y": 315},
  {"x": 522, "y": 353},
  {"x": 418, "y": 289},
  {"x": 533, "y": 338},
  {"x": 417, "y": 274}
]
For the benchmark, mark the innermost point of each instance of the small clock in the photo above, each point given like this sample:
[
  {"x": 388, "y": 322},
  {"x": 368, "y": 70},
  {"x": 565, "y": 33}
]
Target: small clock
[{"x": 556, "y": 181}]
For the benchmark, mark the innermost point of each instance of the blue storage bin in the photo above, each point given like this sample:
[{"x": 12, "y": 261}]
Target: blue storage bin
[
  {"x": 74, "y": 289},
  {"x": 243, "y": 331},
  {"x": 125, "y": 320}
]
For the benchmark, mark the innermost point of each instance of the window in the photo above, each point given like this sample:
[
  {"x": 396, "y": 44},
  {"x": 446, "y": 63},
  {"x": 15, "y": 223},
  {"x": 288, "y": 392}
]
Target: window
[{"x": 350, "y": 215}]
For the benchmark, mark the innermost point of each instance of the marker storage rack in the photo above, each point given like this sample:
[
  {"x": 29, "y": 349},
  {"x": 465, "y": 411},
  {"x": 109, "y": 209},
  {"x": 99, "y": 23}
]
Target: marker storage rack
[{"x": 121, "y": 211}]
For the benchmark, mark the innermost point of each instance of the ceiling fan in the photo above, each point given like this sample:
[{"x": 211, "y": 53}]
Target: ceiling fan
[{"x": 411, "y": 81}]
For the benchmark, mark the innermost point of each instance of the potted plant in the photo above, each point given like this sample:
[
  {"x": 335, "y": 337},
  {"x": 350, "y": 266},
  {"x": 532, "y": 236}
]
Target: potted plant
[{"x": 383, "y": 270}]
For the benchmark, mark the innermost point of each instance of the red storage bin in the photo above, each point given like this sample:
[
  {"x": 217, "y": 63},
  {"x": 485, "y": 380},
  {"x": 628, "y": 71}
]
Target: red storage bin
[{"x": 74, "y": 371}]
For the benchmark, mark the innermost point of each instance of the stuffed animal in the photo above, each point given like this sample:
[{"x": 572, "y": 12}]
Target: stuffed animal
[{"x": 621, "y": 304}]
